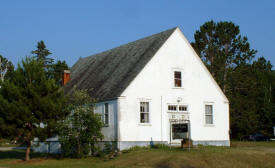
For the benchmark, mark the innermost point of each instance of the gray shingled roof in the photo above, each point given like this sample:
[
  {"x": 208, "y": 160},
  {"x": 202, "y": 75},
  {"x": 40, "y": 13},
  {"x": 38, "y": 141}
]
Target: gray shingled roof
[{"x": 106, "y": 75}]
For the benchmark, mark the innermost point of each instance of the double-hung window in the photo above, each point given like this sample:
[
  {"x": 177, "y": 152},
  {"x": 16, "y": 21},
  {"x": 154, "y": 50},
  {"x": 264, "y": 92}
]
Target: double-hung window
[
  {"x": 208, "y": 114},
  {"x": 144, "y": 112},
  {"x": 106, "y": 114}
]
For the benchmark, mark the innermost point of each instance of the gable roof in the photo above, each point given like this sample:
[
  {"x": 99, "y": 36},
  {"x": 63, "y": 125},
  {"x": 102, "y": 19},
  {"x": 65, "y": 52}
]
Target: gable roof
[{"x": 106, "y": 75}]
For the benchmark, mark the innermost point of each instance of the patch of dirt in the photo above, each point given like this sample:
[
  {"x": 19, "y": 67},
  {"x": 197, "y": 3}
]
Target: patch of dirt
[
  {"x": 31, "y": 161},
  {"x": 271, "y": 150}
]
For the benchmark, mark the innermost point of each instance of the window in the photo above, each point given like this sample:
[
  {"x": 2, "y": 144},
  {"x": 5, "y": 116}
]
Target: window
[
  {"x": 172, "y": 107},
  {"x": 177, "y": 78},
  {"x": 144, "y": 112},
  {"x": 182, "y": 108},
  {"x": 208, "y": 114},
  {"x": 177, "y": 108},
  {"x": 106, "y": 114}
]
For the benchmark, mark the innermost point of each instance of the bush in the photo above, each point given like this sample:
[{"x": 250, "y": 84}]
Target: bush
[{"x": 82, "y": 129}]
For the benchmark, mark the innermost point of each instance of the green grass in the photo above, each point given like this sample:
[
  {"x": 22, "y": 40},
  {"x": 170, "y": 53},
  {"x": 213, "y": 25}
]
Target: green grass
[
  {"x": 241, "y": 154},
  {"x": 10, "y": 145}
]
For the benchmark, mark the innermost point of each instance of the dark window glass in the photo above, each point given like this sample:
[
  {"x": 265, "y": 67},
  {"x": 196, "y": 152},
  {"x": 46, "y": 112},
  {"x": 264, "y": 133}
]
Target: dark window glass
[
  {"x": 144, "y": 112},
  {"x": 177, "y": 77},
  {"x": 209, "y": 114},
  {"x": 106, "y": 114},
  {"x": 179, "y": 131},
  {"x": 182, "y": 108},
  {"x": 172, "y": 107}
]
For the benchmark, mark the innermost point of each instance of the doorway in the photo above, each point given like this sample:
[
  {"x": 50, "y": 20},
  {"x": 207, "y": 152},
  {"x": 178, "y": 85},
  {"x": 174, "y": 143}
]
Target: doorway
[{"x": 179, "y": 131}]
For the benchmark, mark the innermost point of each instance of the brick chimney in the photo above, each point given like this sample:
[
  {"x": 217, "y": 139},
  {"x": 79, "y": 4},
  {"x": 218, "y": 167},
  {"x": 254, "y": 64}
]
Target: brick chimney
[{"x": 65, "y": 77}]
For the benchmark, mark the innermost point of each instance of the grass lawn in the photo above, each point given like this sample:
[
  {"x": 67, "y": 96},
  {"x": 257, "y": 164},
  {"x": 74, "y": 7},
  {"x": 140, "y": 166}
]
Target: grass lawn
[{"x": 241, "y": 154}]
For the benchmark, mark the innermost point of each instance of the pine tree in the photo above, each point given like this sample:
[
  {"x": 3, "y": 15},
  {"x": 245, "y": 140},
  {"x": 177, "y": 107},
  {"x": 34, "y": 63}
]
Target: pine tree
[
  {"x": 248, "y": 85},
  {"x": 222, "y": 48},
  {"x": 58, "y": 69},
  {"x": 42, "y": 53},
  {"x": 53, "y": 70},
  {"x": 30, "y": 104}
]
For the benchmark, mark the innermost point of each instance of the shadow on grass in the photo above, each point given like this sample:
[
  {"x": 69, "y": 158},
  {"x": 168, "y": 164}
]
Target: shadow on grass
[
  {"x": 20, "y": 154},
  {"x": 167, "y": 164}
]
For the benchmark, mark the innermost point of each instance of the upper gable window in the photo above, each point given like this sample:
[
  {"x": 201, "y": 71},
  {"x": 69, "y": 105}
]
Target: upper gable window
[{"x": 177, "y": 79}]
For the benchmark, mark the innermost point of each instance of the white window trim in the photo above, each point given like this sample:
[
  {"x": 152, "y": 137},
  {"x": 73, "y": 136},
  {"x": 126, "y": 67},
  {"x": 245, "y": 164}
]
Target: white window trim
[
  {"x": 173, "y": 78},
  {"x": 108, "y": 122},
  {"x": 172, "y": 110},
  {"x": 150, "y": 112},
  {"x": 177, "y": 111},
  {"x": 213, "y": 114}
]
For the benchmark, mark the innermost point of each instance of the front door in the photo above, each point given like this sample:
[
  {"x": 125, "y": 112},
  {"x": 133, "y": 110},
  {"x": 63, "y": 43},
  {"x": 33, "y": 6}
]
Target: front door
[{"x": 179, "y": 131}]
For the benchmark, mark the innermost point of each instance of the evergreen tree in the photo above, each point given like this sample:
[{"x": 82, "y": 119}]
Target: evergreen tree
[
  {"x": 252, "y": 103},
  {"x": 58, "y": 69},
  {"x": 53, "y": 70},
  {"x": 222, "y": 48},
  {"x": 249, "y": 86},
  {"x": 42, "y": 53},
  {"x": 30, "y": 104}
]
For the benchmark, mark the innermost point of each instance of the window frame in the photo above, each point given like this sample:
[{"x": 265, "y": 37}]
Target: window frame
[
  {"x": 104, "y": 114},
  {"x": 139, "y": 113},
  {"x": 146, "y": 103},
  {"x": 183, "y": 106},
  {"x": 173, "y": 78},
  {"x": 172, "y": 110},
  {"x": 177, "y": 108},
  {"x": 204, "y": 114}
]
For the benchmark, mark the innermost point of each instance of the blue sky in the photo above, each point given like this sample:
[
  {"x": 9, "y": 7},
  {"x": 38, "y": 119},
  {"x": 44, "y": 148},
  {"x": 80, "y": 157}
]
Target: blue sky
[{"x": 79, "y": 28}]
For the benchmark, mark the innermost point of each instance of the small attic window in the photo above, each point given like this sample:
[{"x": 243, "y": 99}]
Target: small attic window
[{"x": 177, "y": 79}]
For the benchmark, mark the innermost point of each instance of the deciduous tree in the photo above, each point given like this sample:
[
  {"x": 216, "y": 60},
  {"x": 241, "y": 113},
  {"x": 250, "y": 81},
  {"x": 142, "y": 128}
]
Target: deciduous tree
[
  {"x": 6, "y": 69},
  {"x": 82, "y": 129}
]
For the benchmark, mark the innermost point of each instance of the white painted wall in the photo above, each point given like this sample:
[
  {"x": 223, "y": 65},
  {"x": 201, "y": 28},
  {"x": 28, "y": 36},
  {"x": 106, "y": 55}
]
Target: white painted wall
[
  {"x": 109, "y": 131},
  {"x": 155, "y": 83}
]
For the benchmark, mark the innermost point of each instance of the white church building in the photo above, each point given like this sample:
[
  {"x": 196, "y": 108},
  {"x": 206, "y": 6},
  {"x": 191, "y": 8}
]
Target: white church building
[{"x": 156, "y": 89}]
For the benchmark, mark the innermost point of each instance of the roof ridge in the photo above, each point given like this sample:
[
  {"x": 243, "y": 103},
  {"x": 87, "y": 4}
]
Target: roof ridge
[
  {"x": 110, "y": 72},
  {"x": 143, "y": 38}
]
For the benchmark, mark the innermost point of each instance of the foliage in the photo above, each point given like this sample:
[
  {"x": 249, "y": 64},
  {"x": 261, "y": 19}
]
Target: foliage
[
  {"x": 53, "y": 70},
  {"x": 248, "y": 85},
  {"x": 222, "y": 48},
  {"x": 42, "y": 53},
  {"x": 6, "y": 69},
  {"x": 57, "y": 71},
  {"x": 30, "y": 104},
  {"x": 82, "y": 129}
]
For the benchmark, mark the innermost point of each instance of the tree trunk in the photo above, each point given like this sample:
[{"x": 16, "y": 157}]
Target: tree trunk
[
  {"x": 78, "y": 148},
  {"x": 225, "y": 69},
  {"x": 28, "y": 151},
  {"x": 224, "y": 81}
]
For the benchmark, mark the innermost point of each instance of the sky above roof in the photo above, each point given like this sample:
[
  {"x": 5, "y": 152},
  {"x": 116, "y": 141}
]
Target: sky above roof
[{"x": 72, "y": 29}]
